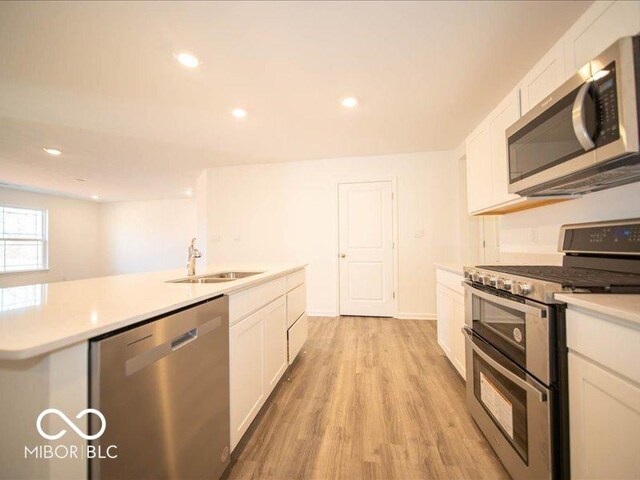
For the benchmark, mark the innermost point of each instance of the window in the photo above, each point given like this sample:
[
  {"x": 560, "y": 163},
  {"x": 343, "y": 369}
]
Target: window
[{"x": 23, "y": 239}]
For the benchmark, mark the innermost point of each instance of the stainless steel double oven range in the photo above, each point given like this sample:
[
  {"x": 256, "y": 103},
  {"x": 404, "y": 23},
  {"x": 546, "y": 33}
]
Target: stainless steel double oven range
[{"x": 516, "y": 350}]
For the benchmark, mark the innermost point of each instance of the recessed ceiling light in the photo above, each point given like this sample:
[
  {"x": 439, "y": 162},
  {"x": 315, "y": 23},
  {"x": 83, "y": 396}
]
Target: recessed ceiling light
[
  {"x": 239, "y": 112},
  {"x": 188, "y": 60},
  {"x": 95, "y": 197},
  {"x": 188, "y": 192},
  {"x": 52, "y": 151},
  {"x": 349, "y": 102}
]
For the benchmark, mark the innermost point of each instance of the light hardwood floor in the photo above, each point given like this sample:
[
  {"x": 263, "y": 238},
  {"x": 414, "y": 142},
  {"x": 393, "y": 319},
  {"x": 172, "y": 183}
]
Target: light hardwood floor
[{"x": 368, "y": 398}]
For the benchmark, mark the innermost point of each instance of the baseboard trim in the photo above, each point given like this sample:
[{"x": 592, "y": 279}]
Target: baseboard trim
[
  {"x": 322, "y": 313},
  {"x": 416, "y": 316}
]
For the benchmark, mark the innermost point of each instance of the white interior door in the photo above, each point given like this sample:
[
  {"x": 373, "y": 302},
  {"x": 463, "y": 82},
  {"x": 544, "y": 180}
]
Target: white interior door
[{"x": 366, "y": 249}]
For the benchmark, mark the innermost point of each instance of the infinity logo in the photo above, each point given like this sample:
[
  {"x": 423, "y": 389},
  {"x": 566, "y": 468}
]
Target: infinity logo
[{"x": 70, "y": 423}]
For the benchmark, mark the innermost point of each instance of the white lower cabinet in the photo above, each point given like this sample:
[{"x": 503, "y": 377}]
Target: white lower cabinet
[
  {"x": 604, "y": 396},
  {"x": 605, "y": 422},
  {"x": 275, "y": 344},
  {"x": 246, "y": 377},
  {"x": 260, "y": 345},
  {"x": 450, "y": 305},
  {"x": 257, "y": 360}
]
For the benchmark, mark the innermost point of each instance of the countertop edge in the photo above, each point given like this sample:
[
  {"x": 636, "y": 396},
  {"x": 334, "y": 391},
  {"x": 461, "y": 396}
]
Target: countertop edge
[
  {"x": 58, "y": 344},
  {"x": 594, "y": 304},
  {"x": 456, "y": 268}
]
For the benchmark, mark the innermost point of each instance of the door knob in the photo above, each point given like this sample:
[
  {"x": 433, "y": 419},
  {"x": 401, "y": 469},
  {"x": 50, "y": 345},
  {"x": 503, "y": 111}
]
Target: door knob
[{"x": 342, "y": 255}]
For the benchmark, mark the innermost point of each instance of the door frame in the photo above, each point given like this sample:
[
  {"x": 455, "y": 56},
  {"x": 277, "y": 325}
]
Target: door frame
[{"x": 394, "y": 233}]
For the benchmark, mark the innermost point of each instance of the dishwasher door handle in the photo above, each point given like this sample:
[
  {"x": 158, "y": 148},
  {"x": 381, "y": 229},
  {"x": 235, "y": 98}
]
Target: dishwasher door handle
[
  {"x": 154, "y": 354},
  {"x": 184, "y": 339}
]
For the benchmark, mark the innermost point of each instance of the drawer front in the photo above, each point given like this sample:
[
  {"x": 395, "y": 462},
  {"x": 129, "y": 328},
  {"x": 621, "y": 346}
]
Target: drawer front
[
  {"x": 604, "y": 341},
  {"x": 294, "y": 279},
  {"x": 297, "y": 336},
  {"x": 450, "y": 280},
  {"x": 296, "y": 303},
  {"x": 248, "y": 301}
]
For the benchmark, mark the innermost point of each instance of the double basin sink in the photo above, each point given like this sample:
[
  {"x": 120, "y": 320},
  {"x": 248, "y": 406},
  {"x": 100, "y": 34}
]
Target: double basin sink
[{"x": 216, "y": 277}]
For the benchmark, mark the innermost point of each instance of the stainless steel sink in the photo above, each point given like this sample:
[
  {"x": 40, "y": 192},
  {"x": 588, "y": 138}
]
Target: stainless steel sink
[
  {"x": 202, "y": 280},
  {"x": 216, "y": 277},
  {"x": 232, "y": 275}
]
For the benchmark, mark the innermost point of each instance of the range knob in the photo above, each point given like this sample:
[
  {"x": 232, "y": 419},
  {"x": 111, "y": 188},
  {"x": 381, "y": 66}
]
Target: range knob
[
  {"x": 489, "y": 280},
  {"x": 504, "y": 284},
  {"x": 522, "y": 288},
  {"x": 468, "y": 274},
  {"x": 476, "y": 276}
]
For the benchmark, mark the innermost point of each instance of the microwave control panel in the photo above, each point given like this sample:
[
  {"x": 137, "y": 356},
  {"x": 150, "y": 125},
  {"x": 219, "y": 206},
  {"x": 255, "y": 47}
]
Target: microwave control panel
[{"x": 605, "y": 93}]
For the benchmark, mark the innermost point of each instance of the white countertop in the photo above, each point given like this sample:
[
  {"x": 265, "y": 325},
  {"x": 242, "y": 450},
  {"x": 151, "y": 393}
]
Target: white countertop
[
  {"x": 59, "y": 314},
  {"x": 622, "y": 306},
  {"x": 451, "y": 267}
]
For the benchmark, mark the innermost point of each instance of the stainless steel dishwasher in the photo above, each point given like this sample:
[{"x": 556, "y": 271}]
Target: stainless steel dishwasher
[{"x": 163, "y": 388}]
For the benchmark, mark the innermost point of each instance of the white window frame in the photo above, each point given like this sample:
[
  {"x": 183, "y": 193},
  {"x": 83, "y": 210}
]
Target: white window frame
[{"x": 44, "y": 240}]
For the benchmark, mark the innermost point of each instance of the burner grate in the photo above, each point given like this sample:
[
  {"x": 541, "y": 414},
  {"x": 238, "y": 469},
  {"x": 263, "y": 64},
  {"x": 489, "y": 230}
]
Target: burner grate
[{"x": 572, "y": 277}]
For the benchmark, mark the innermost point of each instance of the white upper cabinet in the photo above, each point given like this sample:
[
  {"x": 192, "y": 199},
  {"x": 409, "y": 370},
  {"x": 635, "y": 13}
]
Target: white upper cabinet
[
  {"x": 601, "y": 25},
  {"x": 486, "y": 152},
  {"x": 478, "y": 147},
  {"x": 500, "y": 119},
  {"x": 486, "y": 148},
  {"x": 548, "y": 74}
]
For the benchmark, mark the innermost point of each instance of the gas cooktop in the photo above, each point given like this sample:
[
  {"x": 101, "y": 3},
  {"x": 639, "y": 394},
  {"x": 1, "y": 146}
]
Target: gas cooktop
[{"x": 599, "y": 258}]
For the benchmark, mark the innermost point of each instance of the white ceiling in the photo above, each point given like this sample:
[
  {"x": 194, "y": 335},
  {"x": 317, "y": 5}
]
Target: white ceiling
[{"x": 98, "y": 80}]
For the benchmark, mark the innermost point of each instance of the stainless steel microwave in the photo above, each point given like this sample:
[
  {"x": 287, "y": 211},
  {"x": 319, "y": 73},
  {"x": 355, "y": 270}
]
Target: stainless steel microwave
[{"x": 584, "y": 136}]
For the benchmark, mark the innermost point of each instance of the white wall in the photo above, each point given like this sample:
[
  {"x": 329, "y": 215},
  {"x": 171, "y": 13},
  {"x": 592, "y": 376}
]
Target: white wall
[
  {"x": 287, "y": 212},
  {"x": 145, "y": 236},
  {"x": 73, "y": 237},
  {"x": 536, "y": 231}
]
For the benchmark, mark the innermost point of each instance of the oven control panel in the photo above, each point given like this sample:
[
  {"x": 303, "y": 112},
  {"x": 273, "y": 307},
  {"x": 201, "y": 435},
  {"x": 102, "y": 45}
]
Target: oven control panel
[{"x": 622, "y": 238}]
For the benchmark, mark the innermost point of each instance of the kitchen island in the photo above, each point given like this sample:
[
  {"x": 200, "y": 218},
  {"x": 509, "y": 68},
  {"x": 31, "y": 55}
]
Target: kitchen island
[{"x": 44, "y": 347}]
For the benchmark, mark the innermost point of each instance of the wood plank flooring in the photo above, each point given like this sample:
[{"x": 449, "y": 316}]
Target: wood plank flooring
[{"x": 370, "y": 398}]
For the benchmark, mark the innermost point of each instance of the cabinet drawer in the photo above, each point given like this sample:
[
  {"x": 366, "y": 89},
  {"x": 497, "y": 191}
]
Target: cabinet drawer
[
  {"x": 243, "y": 303},
  {"x": 296, "y": 303},
  {"x": 604, "y": 341},
  {"x": 297, "y": 335},
  {"x": 450, "y": 280},
  {"x": 294, "y": 279}
]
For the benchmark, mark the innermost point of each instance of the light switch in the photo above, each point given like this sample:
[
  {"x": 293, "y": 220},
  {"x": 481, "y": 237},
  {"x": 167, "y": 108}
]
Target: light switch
[{"x": 419, "y": 233}]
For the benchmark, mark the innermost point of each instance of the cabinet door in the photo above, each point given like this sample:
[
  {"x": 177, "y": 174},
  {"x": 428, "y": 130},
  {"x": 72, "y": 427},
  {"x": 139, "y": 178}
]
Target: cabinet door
[
  {"x": 478, "y": 151},
  {"x": 246, "y": 367},
  {"x": 502, "y": 118},
  {"x": 548, "y": 74},
  {"x": 457, "y": 335},
  {"x": 275, "y": 343},
  {"x": 444, "y": 319},
  {"x": 601, "y": 25},
  {"x": 604, "y": 412}
]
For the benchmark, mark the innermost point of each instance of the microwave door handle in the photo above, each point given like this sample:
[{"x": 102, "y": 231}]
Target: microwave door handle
[
  {"x": 579, "y": 121},
  {"x": 542, "y": 396}
]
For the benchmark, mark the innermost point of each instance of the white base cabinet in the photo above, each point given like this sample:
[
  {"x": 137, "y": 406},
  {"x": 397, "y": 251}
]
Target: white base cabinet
[
  {"x": 604, "y": 396},
  {"x": 451, "y": 313},
  {"x": 260, "y": 344}
]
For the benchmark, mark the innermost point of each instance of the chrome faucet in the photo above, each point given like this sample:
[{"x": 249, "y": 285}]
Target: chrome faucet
[{"x": 191, "y": 262}]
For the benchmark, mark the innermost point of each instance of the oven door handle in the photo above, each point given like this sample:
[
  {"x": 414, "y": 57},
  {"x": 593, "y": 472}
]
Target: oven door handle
[
  {"x": 512, "y": 304},
  {"x": 542, "y": 395}
]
